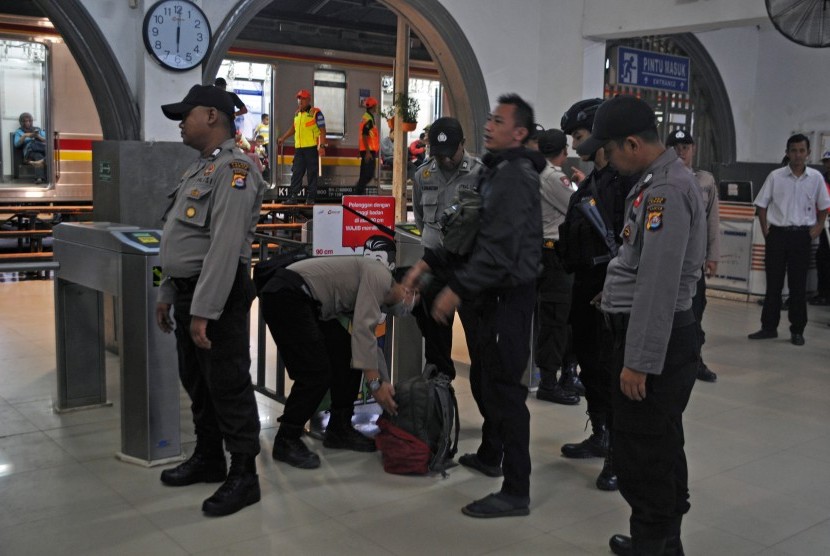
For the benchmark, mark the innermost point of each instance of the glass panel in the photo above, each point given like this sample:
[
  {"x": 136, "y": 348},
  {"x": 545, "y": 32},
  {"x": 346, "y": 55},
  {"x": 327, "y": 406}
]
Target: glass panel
[
  {"x": 23, "y": 107},
  {"x": 330, "y": 97}
]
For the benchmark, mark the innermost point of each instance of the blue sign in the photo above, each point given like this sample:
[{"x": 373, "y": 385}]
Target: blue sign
[{"x": 643, "y": 68}]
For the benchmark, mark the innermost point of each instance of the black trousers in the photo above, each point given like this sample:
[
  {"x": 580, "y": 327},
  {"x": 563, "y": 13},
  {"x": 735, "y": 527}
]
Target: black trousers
[
  {"x": 648, "y": 439},
  {"x": 317, "y": 355},
  {"x": 590, "y": 343},
  {"x": 499, "y": 335},
  {"x": 823, "y": 265},
  {"x": 787, "y": 252},
  {"x": 218, "y": 380},
  {"x": 306, "y": 162},
  {"x": 698, "y": 306},
  {"x": 552, "y": 309},
  {"x": 367, "y": 172},
  {"x": 437, "y": 336}
]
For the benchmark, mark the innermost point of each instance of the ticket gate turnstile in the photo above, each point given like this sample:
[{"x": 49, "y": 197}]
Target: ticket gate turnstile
[
  {"x": 405, "y": 352},
  {"x": 100, "y": 258}
]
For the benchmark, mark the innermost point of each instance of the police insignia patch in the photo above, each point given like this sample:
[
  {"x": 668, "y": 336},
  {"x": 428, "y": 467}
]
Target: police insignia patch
[
  {"x": 239, "y": 166},
  {"x": 426, "y": 173},
  {"x": 238, "y": 181},
  {"x": 190, "y": 212},
  {"x": 565, "y": 181},
  {"x": 210, "y": 169},
  {"x": 627, "y": 231},
  {"x": 654, "y": 221}
]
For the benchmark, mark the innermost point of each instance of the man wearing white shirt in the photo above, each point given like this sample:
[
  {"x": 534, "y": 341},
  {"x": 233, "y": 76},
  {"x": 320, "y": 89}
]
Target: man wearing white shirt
[{"x": 792, "y": 206}]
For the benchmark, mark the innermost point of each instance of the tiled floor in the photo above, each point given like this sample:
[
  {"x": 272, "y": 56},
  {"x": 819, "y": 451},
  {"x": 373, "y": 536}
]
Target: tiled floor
[{"x": 757, "y": 441}]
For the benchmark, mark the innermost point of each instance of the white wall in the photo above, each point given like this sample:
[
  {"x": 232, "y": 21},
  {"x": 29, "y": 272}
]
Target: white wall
[
  {"x": 533, "y": 48},
  {"x": 631, "y": 18},
  {"x": 774, "y": 85}
]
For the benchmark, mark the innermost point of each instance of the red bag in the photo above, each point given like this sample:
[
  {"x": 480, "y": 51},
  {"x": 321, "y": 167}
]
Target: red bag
[{"x": 403, "y": 453}]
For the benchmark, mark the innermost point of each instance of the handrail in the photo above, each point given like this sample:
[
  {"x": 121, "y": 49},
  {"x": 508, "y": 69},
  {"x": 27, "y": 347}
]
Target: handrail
[{"x": 56, "y": 155}]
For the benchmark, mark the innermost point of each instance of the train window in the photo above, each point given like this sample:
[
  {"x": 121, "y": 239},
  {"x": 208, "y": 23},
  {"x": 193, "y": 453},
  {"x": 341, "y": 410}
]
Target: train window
[
  {"x": 23, "y": 112},
  {"x": 330, "y": 97}
]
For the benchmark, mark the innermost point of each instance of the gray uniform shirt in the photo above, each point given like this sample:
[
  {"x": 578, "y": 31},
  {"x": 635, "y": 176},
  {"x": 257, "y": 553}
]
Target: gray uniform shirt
[
  {"x": 556, "y": 193},
  {"x": 209, "y": 227},
  {"x": 659, "y": 263},
  {"x": 353, "y": 287},
  {"x": 706, "y": 181},
  {"x": 432, "y": 192}
]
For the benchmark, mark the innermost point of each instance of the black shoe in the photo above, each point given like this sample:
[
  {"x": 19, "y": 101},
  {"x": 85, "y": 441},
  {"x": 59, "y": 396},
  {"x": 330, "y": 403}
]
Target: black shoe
[
  {"x": 797, "y": 339},
  {"x": 472, "y": 461},
  {"x": 595, "y": 446},
  {"x": 557, "y": 394},
  {"x": 705, "y": 374},
  {"x": 198, "y": 469},
  {"x": 347, "y": 438},
  {"x": 498, "y": 504},
  {"x": 293, "y": 452},
  {"x": 241, "y": 489},
  {"x": 607, "y": 479},
  {"x": 621, "y": 545},
  {"x": 763, "y": 335},
  {"x": 569, "y": 380}
]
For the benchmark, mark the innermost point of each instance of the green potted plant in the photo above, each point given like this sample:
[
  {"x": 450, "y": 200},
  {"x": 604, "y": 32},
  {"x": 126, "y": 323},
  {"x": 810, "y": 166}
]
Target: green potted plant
[
  {"x": 388, "y": 114},
  {"x": 407, "y": 108}
]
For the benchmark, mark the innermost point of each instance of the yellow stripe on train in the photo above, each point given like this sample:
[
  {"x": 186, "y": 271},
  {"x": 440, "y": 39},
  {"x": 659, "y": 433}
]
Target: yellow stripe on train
[
  {"x": 327, "y": 160},
  {"x": 84, "y": 156}
]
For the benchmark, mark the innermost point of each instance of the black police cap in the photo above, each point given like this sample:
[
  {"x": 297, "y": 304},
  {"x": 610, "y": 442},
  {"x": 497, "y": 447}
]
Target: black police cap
[
  {"x": 200, "y": 95},
  {"x": 551, "y": 141},
  {"x": 617, "y": 118},
  {"x": 445, "y": 134},
  {"x": 679, "y": 136}
]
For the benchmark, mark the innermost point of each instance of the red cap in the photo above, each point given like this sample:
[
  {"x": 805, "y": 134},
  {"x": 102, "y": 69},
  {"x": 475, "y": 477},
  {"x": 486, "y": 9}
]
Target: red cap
[
  {"x": 371, "y": 101},
  {"x": 302, "y": 93}
]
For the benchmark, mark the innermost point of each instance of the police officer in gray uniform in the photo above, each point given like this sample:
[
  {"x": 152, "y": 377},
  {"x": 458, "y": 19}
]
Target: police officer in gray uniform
[
  {"x": 435, "y": 186},
  {"x": 684, "y": 146},
  {"x": 555, "y": 284},
  {"x": 205, "y": 258},
  {"x": 647, "y": 299}
]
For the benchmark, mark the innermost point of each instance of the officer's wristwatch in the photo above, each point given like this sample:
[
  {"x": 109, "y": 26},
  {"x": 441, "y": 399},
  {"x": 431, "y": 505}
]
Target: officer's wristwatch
[{"x": 374, "y": 384}]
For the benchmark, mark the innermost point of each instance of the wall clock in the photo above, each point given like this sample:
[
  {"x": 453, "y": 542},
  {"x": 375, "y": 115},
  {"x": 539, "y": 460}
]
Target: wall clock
[{"x": 177, "y": 34}]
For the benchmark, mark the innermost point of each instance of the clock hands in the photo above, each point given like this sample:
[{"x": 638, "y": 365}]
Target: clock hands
[{"x": 178, "y": 32}]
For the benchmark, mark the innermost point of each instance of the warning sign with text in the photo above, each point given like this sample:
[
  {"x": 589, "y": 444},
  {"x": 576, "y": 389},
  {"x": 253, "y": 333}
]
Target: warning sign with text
[{"x": 379, "y": 209}]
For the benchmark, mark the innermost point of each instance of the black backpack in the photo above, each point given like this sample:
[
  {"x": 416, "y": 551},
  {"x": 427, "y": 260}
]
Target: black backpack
[{"x": 423, "y": 437}]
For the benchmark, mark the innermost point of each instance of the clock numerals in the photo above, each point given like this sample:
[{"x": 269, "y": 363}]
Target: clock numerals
[{"x": 177, "y": 34}]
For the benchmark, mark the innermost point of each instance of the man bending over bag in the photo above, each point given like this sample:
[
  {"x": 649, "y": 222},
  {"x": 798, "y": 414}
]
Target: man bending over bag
[{"x": 322, "y": 313}]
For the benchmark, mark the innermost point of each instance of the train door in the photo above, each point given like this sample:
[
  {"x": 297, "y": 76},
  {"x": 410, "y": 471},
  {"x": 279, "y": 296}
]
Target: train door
[{"x": 23, "y": 86}]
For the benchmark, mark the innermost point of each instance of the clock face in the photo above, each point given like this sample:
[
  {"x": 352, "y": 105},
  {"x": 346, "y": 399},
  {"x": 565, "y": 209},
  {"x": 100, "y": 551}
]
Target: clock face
[{"x": 177, "y": 34}]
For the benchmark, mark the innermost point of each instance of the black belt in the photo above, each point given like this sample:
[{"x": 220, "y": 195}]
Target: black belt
[
  {"x": 184, "y": 285},
  {"x": 791, "y": 228},
  {"x": 549, "y": 243},
  {"x": 618, "y": 322}
]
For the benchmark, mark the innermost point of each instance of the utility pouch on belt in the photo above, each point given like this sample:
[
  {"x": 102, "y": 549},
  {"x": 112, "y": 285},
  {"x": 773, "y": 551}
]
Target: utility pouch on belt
[{"x": 460, "y": 222}]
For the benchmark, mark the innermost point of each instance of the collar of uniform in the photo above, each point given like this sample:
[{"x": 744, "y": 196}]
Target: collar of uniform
[
  {"x": 554, "y": 166},
  {"x": 228, "y": 144},
  {"x": 647, "y": 177},
  {"x": 466, "y": 163}
]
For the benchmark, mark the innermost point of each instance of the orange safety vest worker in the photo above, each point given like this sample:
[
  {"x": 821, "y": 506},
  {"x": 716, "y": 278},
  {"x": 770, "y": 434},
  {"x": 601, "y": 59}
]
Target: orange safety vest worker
[
  {"x": 368, "y": 138},
  {"x": 307, "y": 124}
]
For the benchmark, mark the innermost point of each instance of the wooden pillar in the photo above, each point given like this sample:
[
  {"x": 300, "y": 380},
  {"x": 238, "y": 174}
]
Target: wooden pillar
[{"x": 401, "y": 156}]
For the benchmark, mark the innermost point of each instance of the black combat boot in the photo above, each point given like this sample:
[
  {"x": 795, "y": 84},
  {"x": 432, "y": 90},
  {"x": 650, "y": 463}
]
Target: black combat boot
[
  {"x": 239, "y": 490},
  {"x": 204, "y": 466},
  {"x": 550, "y": 390},
  {"x": 621, "y": 546},
  {"x": 595, "y": 446},
  {"x": 569, "y": 380},
  {"x": 289, "y": 448},
  {"x": 341, "y": 435},
  {"x": 607, "y": 479}
]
